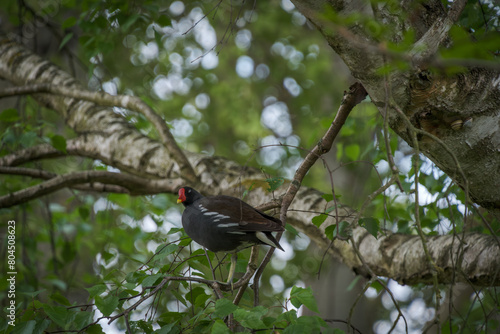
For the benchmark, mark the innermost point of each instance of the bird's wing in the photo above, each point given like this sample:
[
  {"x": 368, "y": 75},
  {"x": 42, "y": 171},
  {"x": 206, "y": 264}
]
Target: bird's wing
[{"x": 227, "y": 209}]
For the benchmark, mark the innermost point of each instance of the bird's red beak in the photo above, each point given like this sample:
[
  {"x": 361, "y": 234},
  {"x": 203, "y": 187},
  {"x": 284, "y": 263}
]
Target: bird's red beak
[{"x": 182, "y": 195}]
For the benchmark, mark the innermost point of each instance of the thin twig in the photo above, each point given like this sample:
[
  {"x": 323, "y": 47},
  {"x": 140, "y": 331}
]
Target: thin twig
[
  {"x": 435, "y": 269},
  {"x": 356, "y": 94},
  {"x": 358, "y": 298}
]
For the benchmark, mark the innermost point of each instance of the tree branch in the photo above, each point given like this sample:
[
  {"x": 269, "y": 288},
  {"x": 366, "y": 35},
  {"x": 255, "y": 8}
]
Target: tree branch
[
  {"x": 427, "y": 46},
  {"x": 354, "y": 96},
  {"x": 41, "y": 174},
  {"x": 134, "y": 184},
  {"x": 104, "y": 99},
  {"x": 149, "y": 160},
  {"x": 82, "y": 116}
]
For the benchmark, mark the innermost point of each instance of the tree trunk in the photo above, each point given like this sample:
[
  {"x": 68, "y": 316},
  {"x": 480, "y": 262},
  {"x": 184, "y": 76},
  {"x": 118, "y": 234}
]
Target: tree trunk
[{"x": 456, "y": 118}]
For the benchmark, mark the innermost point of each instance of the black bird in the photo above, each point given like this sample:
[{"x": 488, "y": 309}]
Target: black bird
[{"x": 226, "y": 224}]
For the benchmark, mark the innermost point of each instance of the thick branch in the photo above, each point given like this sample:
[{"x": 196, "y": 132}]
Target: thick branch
[
  {"x": 41, "y": 174},
  {"x": 135, "y": 185},
  {"x": 104, "y": 99},
  {"x": 427, "y": 46},
  {"x": 20, "y": 66},
  {"x": 145, "y": 157}
]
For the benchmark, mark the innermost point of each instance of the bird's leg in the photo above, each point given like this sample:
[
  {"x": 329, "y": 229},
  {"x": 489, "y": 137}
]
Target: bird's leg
[{"x": 234, "y": 258}]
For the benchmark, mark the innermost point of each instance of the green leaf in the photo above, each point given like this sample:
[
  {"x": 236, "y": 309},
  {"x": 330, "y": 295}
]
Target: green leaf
[
  {"x": 9, "y": 115},
  {"x": 404, "y": 226},
  {"x": 120, "y": 199},
  {"x": 160, "y": 201},
  {"x": 65, "y": 40},
  {"x": 291, "y": 229},
  {"x": 26, "y": 327},
  {"x": 330, "y": 230},
  {"x": 372, "y": 225},
  {"x": 175, "y": 230},
  {"x": 343, "y": 230},
  {"x": 164, "y": 20},
  {"x": 327, "y": 197},
  {"x": 330, "y": 209},
  {"x": 57, "y": 297},
  {"x": 141, "y": 326},
  {"x": 84, "y": 212},
  {"x": 245, "y": 193},
  {"x": 151, "y": 280},
  {"x": 28, "y": 139},
  {"x": 68, "y": 23},
  {"x": 289, "y": 316},
  {"x": 179, "y": 297},
  {"x": 83, "y": 319},
  {"x": 166, "y": 250},
  {"x": 300, "y": 296},
  {"x": 59, "y": 143},
  {"x": 318, "y": 220},
  {"x": 185, "y": 242},
  {"x": 32, "y": 294},
  {"x": 224, "y": 307},
  {"x": 251, "y": 318},
  {"x": 352, "y": 151},
  {"x": 107, "y": 304},
  {"x": 275, "y": 183},
  {"x": 41, "y": 326},
  {"x": 94, "y": 329},
  {"x": 167, "y": 329},
  {"x": 305, "y": 324},
  {"x": 135, "y": 276},
  {"x": 197, "y": 296},
  {"x": 219, "y": 327},
  {"x": 59, "y": 314},
  {"x": 377, "y": 286}
]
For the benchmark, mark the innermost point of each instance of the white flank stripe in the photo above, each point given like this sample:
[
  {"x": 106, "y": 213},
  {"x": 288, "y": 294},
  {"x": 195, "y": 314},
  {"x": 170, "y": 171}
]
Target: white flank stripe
[
  {"x": 262, "y": 237},
  {"x": 210, "y": 213},
  {"x": 228, "y": 225},
  {"x": 243, "y": 233}
]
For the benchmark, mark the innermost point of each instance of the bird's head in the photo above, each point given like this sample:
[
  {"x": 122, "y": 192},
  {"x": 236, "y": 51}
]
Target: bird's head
[{"x": 188, "y": 195}]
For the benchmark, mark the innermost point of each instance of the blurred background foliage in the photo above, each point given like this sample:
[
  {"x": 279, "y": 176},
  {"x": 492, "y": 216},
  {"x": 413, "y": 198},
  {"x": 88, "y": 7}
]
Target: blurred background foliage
[{"x": 253, "y": 82}]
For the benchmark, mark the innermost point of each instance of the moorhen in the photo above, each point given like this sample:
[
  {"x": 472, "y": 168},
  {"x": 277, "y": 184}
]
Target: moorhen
[{"x": 226, "y": 224}]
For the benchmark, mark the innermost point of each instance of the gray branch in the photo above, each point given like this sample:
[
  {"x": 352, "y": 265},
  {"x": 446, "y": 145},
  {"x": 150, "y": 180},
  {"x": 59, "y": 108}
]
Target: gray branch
[{"x": 134, "y": 184}]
